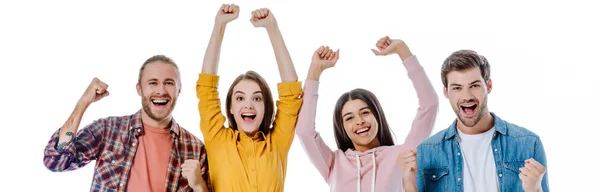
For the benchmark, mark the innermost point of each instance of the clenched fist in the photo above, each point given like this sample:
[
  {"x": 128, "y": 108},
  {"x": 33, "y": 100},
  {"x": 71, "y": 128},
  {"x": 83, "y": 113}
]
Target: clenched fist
[
  {"x": 323, "y": 58},
  {"x": 227, "y": 13},
  {"x": 192, "y": 171},
  {"x": 387, "y": 46},
  {"x": 94, "y": 92},
  {"x": 531, "y": 175},
  {"x": 263, "y": 18}
]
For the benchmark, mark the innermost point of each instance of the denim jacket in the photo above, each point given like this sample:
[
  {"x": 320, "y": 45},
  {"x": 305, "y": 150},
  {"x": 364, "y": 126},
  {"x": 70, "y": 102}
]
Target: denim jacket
[{"x": 440, "y": 164}]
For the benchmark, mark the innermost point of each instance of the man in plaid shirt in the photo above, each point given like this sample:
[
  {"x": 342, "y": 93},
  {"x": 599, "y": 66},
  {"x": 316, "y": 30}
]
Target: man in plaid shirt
[{"x": 145, "y": 151}]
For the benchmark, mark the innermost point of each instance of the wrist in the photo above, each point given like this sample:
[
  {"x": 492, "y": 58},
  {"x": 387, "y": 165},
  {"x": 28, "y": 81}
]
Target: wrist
[
  {"x": 219, "y": 25},
  {"x": 537, "y": 189},
  {"x": 82, "y": 104},
  {"x": 403, "y": 51},
  {"x": 313, "y": 74},
  {"x": 272, "y": 28}
]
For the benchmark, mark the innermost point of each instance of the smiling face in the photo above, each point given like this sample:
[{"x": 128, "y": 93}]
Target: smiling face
[
  {"x": 467, "y": 83},
  {"x": 250, "y": 104},
  {"x": 467, "y": 93},
  {"x": 247, "y": 106},
  {"x": 359, "y": 122},
  {"x": 159, "y": 88}
]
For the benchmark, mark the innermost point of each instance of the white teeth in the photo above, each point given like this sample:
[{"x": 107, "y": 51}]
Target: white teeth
[
  {"x": 471, "y": 105},
  {"x": 159, "y": 101},
  {"x": 362, "y": 130},
  {"x": 247, "y": 114}
]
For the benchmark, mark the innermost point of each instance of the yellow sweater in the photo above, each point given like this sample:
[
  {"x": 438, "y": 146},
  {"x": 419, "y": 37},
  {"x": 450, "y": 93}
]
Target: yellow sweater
[{"x": 236, "y": 161}]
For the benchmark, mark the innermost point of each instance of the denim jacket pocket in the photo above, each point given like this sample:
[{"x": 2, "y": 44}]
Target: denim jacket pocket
[
  {"x": 436, "y": 179},
  {"x": 510, "y": 180}
]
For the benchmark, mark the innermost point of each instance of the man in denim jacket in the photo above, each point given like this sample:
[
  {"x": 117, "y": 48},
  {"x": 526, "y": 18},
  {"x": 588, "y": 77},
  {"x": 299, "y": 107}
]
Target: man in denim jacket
[{"x": 479, "y": 151}]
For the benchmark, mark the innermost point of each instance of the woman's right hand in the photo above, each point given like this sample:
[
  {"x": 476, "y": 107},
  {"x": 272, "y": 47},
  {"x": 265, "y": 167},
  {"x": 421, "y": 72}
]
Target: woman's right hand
[
  {"x": 227, "y": 13},
  {"x": 388, "y": 46},
  {"x": 322, "y": 59}
]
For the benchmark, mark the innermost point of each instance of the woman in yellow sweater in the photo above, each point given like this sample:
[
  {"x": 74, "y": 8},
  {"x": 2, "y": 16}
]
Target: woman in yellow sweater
[{"x": 250, "y": 154}]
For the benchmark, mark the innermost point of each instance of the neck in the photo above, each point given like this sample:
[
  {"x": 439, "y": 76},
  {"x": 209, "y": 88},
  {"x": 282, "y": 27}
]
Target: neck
[
  {"x": 485, "y": 124},
  {"x": 363, "y": 148},
  {"x": 164, "y": 123}
]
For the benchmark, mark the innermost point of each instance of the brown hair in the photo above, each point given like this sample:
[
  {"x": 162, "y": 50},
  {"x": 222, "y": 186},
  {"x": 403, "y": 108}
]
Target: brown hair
[
  {"x": 465, "y": 59},
  {"x": 163, "y": 59},
  {"x": 265, "y": 125},
  {"x": 384, "y": 134}
]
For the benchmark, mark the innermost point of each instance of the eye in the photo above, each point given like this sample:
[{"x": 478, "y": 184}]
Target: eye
[
  {"x": 257, "y": 99},
  {"x": 475, "y": 86},
  {"x": 170, "y": 83},
  {"x": 152, "y": 83},
  {"x": 366, "y": 112},
  {"x": 239, "y": 98},
  {"x": 348, "y": 119},
  {"x": 456, "y": 88}
]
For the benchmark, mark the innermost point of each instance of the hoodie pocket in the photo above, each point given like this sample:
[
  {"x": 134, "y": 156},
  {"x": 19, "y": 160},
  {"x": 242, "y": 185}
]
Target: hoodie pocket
[{"x": 436, "y": 179}]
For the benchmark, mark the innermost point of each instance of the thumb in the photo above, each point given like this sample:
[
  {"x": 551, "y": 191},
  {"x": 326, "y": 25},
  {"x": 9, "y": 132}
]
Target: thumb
[{"x": 376, "y": 52}]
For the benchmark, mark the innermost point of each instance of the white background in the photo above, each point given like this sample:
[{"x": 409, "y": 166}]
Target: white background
[{"x": 542, "y": 55}]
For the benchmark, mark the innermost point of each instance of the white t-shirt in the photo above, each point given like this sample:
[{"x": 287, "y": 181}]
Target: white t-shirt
[{"x": 479, "y": 168}]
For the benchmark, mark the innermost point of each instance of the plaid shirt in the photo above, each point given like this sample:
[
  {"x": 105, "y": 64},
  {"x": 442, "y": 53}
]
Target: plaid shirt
[{"x": 112, "y": 142}]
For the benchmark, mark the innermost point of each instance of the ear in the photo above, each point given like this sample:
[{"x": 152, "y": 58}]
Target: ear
[
  {"x": 139, "y": 89},
  {"x": 446, "y": 92},
  {"x": 489, "y": 86}
]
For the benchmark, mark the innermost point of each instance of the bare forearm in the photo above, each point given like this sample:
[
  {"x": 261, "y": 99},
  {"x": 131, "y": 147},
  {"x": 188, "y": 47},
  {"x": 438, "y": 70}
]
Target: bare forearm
[
  {"x": 213, "y": 51},
  {"x": 409, "y": 185},
  {"x": 403, "y": 51},
  {"x": 313, "y": 74},
  {"x": 68, "y": 130},
  {"x": 284, "y": 60}
]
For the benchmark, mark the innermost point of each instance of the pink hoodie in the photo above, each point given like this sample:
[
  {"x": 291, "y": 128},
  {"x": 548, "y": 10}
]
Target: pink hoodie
[{"x": 353, "y": 170}]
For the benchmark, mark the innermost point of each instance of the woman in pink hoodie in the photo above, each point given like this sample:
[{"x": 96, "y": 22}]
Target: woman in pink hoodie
[{"x": 366, "y": 158}]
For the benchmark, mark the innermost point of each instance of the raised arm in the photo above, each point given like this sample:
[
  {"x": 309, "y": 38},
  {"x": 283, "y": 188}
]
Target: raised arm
[
  {"x": 227, "y": 13},
  {"x": 65, "y": 151},
  {"x": 209, "y": 104},
  {"x": 424, "y": 120},
  {"x": 264, "y": 18},
  {"x": 318, "y": 152}
]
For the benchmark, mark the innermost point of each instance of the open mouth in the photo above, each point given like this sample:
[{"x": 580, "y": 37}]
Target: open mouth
[
  {"x": 362, "y": 131},
  {"x": 160, "y": 102},
  {"x": 468, "y": 109},
  {"x": 248, "y": 117}
]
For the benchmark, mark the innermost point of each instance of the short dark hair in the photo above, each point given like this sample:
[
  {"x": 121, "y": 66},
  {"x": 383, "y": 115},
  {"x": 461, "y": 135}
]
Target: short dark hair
[
  {"x": 265, "y": 125},
  {"x": 163, "y": 59},
  {"x": 465, "y": 59},
  {"x": 384, "y": 134}
]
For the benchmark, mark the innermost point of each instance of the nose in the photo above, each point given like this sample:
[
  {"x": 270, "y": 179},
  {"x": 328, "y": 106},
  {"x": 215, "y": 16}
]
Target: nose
[
  {"x": 248, "y": 105},
  {"x": 360, "y": 120},
  {"x": 159, "y": 90}
]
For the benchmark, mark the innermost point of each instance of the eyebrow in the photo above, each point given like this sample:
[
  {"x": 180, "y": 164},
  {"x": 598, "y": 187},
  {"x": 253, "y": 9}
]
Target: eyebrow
[
  {"x": 349, "y": 113},
  {"x": 245, "y": 93},
  {"x": 155, "y": 79},
  {"x": 476, "y": 81}
]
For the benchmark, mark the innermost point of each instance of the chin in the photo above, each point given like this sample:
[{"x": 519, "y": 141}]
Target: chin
[{"x": 249, "y": 130}]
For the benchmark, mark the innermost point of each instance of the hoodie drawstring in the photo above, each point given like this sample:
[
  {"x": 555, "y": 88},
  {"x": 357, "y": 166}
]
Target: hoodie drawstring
[
  {"x": 358, "y": 173},
  {"x": 374, "y": 173}
]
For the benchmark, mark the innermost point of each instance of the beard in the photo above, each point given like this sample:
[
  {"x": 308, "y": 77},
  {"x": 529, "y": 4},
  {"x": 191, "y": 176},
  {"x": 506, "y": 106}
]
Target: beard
[
  {"x": 162, "y": 114},
  {"x": 478, "y": 112}
]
